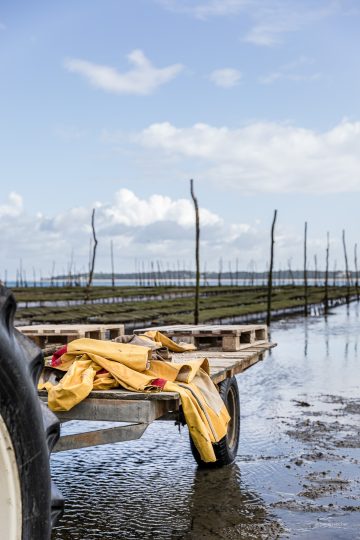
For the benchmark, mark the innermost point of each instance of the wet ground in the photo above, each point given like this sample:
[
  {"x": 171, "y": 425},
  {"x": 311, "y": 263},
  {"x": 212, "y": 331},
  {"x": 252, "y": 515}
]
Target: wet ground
[{"x": 297, "y": 474}]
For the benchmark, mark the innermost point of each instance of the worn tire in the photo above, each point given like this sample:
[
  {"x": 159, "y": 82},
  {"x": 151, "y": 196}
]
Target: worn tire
[
  {"x": 226, "y": 449},
  {"x": 29, "y": 503}
]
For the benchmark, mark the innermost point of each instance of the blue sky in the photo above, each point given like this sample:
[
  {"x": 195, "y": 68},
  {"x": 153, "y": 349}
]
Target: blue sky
[{"x": 117, "y": 104}]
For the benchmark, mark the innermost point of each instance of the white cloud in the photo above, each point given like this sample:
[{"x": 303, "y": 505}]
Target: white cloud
[
  {"x": 276, "y": 18},
  {"x": 294, "y": 71},
  {"x": 266, "y": 157},
  {"x": 139, "y": 227},
  {"x": 13, "y": 208},
  {"x": 132, "y": 211},
  {"x": 206, "y": 9},
  {"x": 143, "y": 228},
  {"x": 268, "y": 19},
  {"x": 143, "y": 79},
  {"x": 226, "y": 77}
]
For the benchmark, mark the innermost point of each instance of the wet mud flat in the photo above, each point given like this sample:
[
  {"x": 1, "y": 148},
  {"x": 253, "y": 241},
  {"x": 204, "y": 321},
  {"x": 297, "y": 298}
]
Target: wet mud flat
[
  {"x": 297, "y": 473},
  {"x": 328, "y": 472}
]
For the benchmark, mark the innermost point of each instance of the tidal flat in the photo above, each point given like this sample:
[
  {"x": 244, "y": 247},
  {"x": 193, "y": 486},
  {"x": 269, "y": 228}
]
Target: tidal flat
[{"x": 297, "y": 471}]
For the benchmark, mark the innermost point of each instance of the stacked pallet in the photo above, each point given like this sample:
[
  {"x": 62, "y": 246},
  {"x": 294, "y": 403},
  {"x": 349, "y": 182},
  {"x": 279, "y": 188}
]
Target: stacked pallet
[
  {"x": 45, "y": 334},
  {"x": 224, "y": 337}
]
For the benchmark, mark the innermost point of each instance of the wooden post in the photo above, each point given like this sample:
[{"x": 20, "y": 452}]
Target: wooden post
[
  {"x": 334, "y": 273},
  {"x": 112, "y": 264},
  {"x": 197, "y": 252},
  {"x": 316, "y": 271},
  {"x": 305, "y": 273},
  {"x": 326, "y": 298},
  {"x": 159, "y": 274},
  {"x": 268, "y": 317},
  {"x": 204, "y": 276},
  {"x": 220, "y": 271},
  {"x": 91, "y": 272},
  {"x": 291, "y": 275},
  {"x": 346, "y": 269},
  {"x": 356, "y": 273}
]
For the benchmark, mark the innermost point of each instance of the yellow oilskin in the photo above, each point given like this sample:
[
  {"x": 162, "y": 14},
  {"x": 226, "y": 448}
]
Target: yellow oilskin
[
  {"x": 100, "y": 365},
  {"x": 169, "y": 343}
]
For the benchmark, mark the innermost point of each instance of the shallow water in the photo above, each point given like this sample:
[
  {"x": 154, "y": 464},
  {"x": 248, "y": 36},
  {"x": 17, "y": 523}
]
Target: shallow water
[{"x": 297, "y": 470}]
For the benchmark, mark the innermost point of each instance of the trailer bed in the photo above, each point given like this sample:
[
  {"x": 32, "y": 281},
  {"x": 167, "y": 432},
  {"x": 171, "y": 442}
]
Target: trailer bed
[{"x": 139, "y": 409}]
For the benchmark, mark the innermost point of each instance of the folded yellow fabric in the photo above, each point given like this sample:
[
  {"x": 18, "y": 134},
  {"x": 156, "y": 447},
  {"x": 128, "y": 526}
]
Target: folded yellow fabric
[
  {"x": 133, "y": 356},
  {"x": 95, "y": 364},
  {"x": 169, "y": 343}
]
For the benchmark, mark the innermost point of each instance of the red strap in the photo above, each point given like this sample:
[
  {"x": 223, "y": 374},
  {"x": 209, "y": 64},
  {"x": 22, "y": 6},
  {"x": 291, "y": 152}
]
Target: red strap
[
  {"x": 56, "y": 358},
  {"x": 159, "y": 382}
]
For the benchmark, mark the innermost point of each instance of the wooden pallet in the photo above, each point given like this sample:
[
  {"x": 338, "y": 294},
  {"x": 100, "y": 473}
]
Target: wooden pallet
[
  {"x": 226, "y": 337},
  {"x": 225, "y": 364},
  {"x": 44, "y": 334}
]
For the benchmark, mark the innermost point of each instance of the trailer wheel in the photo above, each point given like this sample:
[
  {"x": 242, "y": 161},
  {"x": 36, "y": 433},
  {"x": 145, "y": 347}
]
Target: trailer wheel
[
  {"x": 226, "y": 449},
  {"x": 29, "y": 504}
]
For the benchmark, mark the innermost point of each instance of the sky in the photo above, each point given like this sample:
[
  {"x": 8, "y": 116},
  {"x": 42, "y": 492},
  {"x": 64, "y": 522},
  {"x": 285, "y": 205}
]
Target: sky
[{"x": 116, "y": 105}]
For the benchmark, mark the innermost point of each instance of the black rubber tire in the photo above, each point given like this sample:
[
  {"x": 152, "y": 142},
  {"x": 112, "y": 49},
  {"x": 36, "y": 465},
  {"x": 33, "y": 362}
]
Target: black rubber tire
[
  {"x": 32, "y": 428},
  {"x": 226, "y": 449}
]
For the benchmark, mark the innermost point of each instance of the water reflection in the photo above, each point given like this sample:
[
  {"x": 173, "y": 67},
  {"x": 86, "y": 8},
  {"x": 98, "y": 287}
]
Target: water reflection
[
  {"x": 148, "y": 496},
  {"x": 306, "y": 337},
  {"x": 222, "y": 507}
]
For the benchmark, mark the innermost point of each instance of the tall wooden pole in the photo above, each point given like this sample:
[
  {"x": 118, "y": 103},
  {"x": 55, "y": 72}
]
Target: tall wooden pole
[
  {"x": 305, "y": 272},
  {"x": 220, "y": 271},
  {"x": 197, "y": 252},
  {"x": 316, "y": 271},
  {"x": 112, "y": 264},
  {"x": 326, "y": 298},
  {"x": 91, "y": 272},
  {"x": 356, "y": 272},
  {"x": 346, "y": 269},
  {"x": 268, "y": 317},
  {"x": 291, "y": 275}
]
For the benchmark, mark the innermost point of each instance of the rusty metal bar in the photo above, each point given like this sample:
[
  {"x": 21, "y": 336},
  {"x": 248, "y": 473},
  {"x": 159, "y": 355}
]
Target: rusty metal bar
[{"x": 100, "y": 436}]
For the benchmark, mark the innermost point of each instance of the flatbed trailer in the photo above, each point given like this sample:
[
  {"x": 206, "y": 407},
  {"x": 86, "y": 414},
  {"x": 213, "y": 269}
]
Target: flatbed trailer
[{"x": 136, "y": 410}]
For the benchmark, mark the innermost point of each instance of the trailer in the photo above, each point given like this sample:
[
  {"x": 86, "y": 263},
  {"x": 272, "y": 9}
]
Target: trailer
[
  {"x": 230, "y": 351},
  {"x": 30, "y": 504}
]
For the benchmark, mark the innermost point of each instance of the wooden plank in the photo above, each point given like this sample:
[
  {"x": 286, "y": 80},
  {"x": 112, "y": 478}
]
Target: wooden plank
[
  {"x": 246, "y": 350},
  {"x": 221, "y": 375},
  {"x": 100, "y": 436},
  {"x": 119, "y": 394}
]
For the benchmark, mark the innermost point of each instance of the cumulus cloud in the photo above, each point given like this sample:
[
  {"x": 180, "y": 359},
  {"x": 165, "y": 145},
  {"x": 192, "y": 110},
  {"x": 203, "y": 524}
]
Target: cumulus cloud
[
  {"x": 13, "y": 207},
  {"x": 143, "y": 79},
  {"x": 226, "y": 77},
  {"x": 132, "y": 211},
  {"x": 266, "y": 156},
  {"x": 140, "y": 228}
]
